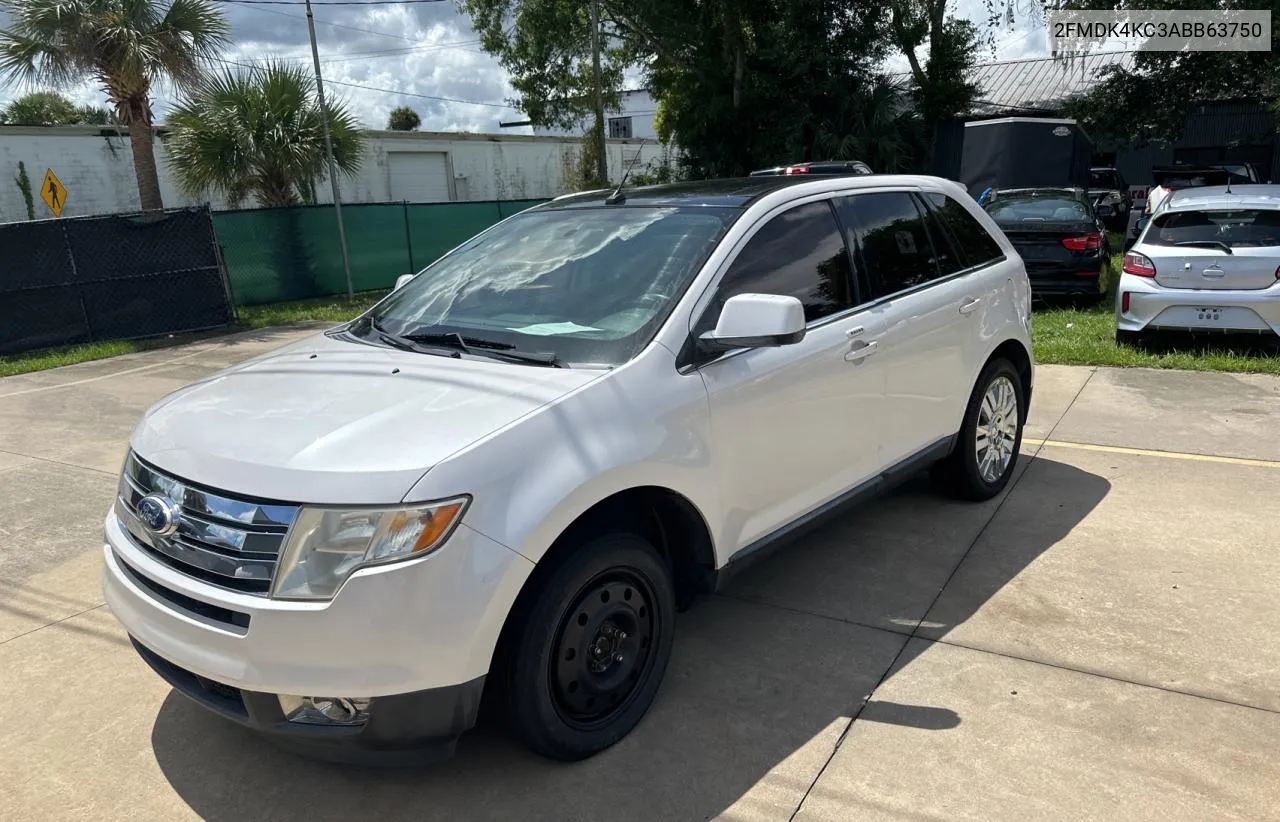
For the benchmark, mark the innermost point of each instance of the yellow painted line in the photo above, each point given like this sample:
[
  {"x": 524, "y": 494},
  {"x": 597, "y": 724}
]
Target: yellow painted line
[{"x": 1144, "y": 452}]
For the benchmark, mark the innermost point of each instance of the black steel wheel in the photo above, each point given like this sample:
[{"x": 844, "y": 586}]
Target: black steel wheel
[
  {"x": 592, "y": 647},
  {"x": 604, "y": 648}
]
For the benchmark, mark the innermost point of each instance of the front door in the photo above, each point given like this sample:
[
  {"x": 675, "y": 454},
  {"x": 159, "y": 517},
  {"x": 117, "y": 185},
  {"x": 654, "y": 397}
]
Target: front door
[{"x": 794, "y": 426}]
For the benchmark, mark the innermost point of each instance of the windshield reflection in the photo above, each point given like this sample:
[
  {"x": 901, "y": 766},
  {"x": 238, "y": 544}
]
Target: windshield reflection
[{"x": 588, "y": 285}]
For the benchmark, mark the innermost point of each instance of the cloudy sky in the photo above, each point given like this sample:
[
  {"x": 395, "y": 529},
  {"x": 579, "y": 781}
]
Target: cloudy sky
[{"x": 426, "y": 56}]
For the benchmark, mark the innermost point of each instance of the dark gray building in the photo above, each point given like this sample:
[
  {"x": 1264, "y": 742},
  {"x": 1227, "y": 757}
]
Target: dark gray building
[{"x": 1224, "y": 131}]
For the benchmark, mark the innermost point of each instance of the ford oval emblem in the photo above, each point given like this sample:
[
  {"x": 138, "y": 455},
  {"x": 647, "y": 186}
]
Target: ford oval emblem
[
  {"x": 1061, "y": 131},
  {"x": 159, "y": 514}
]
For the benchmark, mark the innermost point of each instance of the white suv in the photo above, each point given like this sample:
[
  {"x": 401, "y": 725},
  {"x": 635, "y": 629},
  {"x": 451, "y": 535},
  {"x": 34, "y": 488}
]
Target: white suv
[{"x": 506, "y": 478}]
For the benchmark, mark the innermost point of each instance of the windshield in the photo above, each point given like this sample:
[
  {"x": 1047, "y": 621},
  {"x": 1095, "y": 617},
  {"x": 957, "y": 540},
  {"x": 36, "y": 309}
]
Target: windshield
[
  {"x": 1049, "y": 209},
  {"x": 587, "y": 285},
  {"x": 1101, "y": 179},
  {"x": 1236, "y": 228}
]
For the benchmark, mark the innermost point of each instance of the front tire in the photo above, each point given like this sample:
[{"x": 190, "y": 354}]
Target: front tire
[
  {"x": 592, "y": 649},
  {"x": 982, "y": 462}
]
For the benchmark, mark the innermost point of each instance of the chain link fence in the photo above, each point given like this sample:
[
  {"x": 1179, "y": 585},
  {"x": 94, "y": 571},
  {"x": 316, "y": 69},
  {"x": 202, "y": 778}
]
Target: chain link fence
[
  {"x": 279, "y": 254},
  {"x": 88, "y": 279}
]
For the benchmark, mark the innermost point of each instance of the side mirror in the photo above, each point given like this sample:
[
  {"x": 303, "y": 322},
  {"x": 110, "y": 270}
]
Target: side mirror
[
  {"x": 1105, "y": 211},
  {"x": 757, "y": 321},
  {"x": 403, "y": 280}
]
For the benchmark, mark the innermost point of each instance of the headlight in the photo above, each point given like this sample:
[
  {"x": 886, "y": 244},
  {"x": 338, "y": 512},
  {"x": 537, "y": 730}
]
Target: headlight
[{"x": 327, "y": 545}]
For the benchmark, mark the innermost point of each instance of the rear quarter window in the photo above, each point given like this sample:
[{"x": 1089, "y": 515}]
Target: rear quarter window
[{"x": 975, "y": 244}]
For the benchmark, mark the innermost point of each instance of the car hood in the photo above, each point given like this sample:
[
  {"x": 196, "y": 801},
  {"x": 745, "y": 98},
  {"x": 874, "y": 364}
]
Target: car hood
[{"x": 329, "y": 421}]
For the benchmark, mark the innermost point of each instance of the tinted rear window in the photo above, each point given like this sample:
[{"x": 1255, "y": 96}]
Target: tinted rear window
[
  {"x": 1102, "y": 179},
  {"x": 1038, "y": 209},
  {"x": 1236, "y": 228}
]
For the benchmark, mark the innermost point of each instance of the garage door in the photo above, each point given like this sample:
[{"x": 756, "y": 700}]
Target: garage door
[{"x": 419, "y": 176}]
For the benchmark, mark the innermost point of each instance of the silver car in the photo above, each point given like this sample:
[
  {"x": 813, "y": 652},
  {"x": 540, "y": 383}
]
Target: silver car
[{"x": 1209, "y": 260}]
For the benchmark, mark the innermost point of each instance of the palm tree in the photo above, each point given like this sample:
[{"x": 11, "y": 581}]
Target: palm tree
[
  {"x": 258, "y": 132},
  {"x": 403, "y": 118},
  {"x": 49, "y": 108},
  {"x": 123, "y": 45}
]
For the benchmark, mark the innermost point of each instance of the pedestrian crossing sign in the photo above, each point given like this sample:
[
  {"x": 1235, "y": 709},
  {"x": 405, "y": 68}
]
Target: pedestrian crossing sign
[{"x": 54, "y": 193}]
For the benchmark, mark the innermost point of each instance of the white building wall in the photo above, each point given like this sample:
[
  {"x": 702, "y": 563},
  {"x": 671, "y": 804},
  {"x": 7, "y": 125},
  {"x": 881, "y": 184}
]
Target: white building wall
[
  {"x": 96, "y": 167},
  {"x": 636, "y": 105}
]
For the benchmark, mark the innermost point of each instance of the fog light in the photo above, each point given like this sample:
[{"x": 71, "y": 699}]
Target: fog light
[{"x": 325, "y": 710}]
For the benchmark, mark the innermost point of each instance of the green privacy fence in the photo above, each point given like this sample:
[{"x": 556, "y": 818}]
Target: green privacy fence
[{"x": 277, "y": 254}]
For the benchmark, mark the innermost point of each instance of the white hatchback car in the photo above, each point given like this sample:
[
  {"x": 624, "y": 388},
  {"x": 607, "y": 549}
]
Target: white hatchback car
[
  {"x": 1208, "y": 261},
  {"x": 506, "y": 478}
]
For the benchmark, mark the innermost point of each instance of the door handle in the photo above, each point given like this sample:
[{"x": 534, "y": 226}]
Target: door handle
[
  {"x": 968, "y": 306},
  {"x": 860, "y": 351}
]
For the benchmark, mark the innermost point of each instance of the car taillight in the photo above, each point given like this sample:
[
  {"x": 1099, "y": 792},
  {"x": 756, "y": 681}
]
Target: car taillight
[
  {"x": 1087, "y": 243},
  {"x": 1139, "y": 265}
]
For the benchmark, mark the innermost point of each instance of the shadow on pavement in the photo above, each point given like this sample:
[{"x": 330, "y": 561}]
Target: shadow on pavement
[{"x": 761, "y": 687}]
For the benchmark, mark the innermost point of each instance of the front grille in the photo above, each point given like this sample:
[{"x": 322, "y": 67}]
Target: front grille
[
  {"x": 235, "y": 619},
  {"x": 230, "y": 542}
]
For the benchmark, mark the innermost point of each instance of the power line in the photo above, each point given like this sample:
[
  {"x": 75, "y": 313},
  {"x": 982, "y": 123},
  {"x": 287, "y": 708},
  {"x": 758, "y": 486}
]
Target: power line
[
  {"x": 371, "y": 55},
  {"x": 325, "y": 22},
  {"x": 332, "y": 2},
  {"x": 382, "y": 90},
  {"x": 423, "y": 96}
]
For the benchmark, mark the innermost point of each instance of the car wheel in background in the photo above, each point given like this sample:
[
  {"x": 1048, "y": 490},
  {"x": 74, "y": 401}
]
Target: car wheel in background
[
  {"x": 1133, "y": 339},
  {"x": 980, "y": 465}
]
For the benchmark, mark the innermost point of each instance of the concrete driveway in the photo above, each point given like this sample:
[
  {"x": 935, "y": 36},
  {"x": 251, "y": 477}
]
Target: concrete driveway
[{"x": 1102, "y": 641}]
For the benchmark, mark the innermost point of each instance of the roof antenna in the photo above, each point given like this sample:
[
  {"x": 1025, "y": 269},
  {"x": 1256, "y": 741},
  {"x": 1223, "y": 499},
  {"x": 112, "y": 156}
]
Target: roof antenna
[{"x": 617, "y": 196}]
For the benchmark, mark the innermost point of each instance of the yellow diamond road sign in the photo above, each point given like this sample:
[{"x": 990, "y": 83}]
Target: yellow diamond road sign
[{"x": 53, "y": 193}]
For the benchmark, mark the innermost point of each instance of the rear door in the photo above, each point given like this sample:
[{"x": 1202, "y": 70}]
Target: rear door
[
  {"x": 928, "y": 315},
  {"x": 1219, "y": 249}
]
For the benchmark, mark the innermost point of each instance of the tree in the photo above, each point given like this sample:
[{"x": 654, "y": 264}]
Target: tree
[
  {"x": 48, "y": 108},
  {"x": 545, "y": 45},
  {"x": 941, "y": 87},
  {"x": 403, "y": 118},
  {"x": 258, "y": 132},
  {"x": 1152, "y": 98},
  {"x": 125, "y": 46},
  {"x": 40, "y": 108}
]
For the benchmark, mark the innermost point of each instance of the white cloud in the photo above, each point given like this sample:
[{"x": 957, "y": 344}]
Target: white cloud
[
  {"x": 430, "y": 49},
  {"x": 425, "y": 49}
]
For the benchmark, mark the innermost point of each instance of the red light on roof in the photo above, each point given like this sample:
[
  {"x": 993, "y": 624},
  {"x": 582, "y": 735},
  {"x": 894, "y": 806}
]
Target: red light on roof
[{"x": 796, "y": 170}]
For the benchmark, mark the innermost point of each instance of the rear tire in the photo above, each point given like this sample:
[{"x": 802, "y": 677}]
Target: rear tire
[
  {"x": 983, "y": 459},
  {"x": 1132, "y": 339},
  {"x": 591, "y": 648}
]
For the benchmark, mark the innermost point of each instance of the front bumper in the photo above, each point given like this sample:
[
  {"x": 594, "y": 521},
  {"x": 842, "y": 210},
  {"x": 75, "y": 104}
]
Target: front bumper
[
  {"x": 1152, "y": 306},
  {"x": 407, "y": 728},
  {"x": 392, "y": 631}
]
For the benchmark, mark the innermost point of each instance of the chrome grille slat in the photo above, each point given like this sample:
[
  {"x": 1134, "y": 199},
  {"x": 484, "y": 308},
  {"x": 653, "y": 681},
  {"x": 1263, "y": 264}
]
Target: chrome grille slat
[
  {"x": 231, "y": 543},
  {"x": 209, "y": 503}
]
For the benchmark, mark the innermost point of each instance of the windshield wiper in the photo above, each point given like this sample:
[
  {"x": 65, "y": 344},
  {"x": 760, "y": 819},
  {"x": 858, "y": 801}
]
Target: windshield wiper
[
  {"x": 406, "y": 343},
  {"x": 487, "y": 348},
  {"x": 1208, "y": 244}
]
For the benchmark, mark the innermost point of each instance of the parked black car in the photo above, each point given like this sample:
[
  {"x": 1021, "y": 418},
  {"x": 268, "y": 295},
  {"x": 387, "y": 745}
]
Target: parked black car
[
  {"x": 833, "y": 167},
  {"x": 1060, "y": 237},
  {"x": 1107, "y": 187}
]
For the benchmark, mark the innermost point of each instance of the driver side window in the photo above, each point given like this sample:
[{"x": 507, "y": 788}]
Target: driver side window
[{"x": 799, "y": 253}]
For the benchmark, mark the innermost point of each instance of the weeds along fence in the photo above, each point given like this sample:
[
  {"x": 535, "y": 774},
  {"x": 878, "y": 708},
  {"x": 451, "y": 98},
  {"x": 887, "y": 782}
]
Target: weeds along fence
[
  {"x": 278, "y": 254},
  {"x": 90, "y": 279}
]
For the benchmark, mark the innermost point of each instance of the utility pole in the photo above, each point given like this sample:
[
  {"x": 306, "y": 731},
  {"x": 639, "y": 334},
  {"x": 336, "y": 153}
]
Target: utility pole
[
  {"x": 602, "y": 162},
  {"x": 328, "y": 147}
]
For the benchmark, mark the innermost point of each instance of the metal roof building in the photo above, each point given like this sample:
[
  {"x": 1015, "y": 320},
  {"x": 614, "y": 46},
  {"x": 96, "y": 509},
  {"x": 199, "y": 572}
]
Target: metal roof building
[{"x": 1036, "y": 86}]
